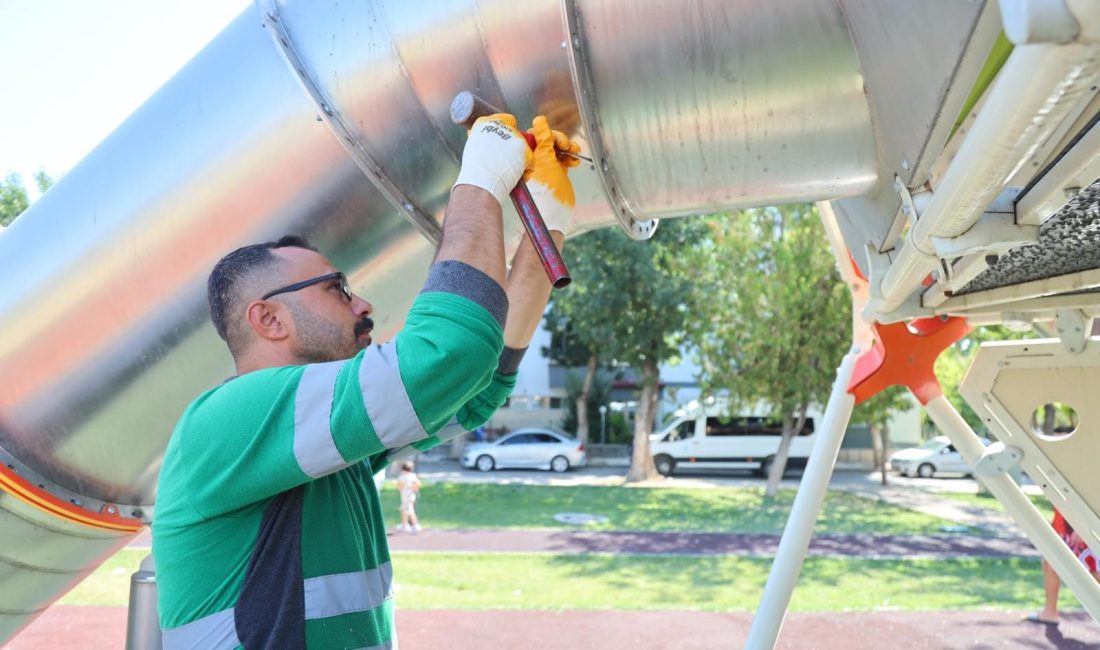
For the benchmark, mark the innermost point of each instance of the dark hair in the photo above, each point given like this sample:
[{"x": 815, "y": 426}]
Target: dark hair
[
  {"x": 236, "y": 269},
  {"x": 407, "y": 466}
]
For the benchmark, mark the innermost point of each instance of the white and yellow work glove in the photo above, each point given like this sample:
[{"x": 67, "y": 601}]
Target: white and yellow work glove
[
  {"x": 548, "y": 176},
  {"x": 495, "y": 156}
]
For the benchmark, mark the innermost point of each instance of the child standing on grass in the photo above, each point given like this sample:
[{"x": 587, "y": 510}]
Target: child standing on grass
[{"x": 408, "y": 484}]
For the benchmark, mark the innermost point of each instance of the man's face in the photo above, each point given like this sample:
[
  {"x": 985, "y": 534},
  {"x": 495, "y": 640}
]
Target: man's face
[{"x": 325, "y": 326}]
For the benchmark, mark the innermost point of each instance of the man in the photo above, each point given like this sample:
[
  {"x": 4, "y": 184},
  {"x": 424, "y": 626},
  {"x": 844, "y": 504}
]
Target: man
[{"x": 268, "y": 531}]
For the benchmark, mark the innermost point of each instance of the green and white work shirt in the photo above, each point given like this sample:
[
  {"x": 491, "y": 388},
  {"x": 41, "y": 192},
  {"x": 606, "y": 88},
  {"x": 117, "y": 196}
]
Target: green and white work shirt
[{"x": 268, "y": 530}]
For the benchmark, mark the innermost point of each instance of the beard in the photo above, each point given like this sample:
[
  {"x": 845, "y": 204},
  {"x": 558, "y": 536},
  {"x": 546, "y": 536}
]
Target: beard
[{"x": 321, "y": 340}]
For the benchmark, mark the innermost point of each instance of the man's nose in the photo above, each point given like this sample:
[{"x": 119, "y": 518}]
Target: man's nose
[{"x": 361, "y": 307}]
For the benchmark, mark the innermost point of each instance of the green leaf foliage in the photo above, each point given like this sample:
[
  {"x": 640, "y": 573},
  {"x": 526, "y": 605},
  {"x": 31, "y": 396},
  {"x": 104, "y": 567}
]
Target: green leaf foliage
[
  {"x": 773, "y": 316},
  {"x": 629, "y": 300},
  {"x": 13, "y": 195}
]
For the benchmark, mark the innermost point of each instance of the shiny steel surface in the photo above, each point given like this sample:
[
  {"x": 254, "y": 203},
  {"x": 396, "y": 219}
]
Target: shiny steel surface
[
  {"x": 714, "y": 104},
  {"x": 42, "y": 557},
  {"x": 697, "y": 107},
  {"x": 106, "y": 337}
]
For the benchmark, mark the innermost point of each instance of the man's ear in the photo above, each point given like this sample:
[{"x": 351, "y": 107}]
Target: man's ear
[{"x": 266, "y": 320}]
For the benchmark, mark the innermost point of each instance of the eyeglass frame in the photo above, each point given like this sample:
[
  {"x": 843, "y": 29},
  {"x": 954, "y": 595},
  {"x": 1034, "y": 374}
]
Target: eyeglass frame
[{"x": 345, "y": 288}]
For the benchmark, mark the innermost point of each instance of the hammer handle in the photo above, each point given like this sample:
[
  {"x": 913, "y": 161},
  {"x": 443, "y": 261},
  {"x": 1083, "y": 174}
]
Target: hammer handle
[{"x": 465, "y": 110}]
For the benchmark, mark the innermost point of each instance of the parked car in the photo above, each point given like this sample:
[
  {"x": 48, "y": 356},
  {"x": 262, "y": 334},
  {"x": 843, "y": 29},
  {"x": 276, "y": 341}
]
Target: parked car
[
  {"x": 936, "y": 456},
  {"x": 536, "y": 448}
]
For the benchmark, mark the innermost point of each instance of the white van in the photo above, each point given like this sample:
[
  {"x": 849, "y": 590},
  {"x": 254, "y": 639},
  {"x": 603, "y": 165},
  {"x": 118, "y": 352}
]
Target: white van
[{"x": 707, "y": 437}]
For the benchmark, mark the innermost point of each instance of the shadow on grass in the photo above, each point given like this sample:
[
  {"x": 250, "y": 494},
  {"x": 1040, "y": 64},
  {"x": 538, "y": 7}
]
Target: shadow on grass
[{"x": 730, "y": 510}]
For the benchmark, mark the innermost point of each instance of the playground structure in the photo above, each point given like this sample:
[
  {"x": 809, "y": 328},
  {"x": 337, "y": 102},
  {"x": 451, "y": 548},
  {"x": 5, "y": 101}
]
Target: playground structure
[{"x": 952, "y": 146}]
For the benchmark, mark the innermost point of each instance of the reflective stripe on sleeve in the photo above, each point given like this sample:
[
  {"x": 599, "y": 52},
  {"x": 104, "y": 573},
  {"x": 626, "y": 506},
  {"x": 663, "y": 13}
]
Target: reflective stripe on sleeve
[
  {"x": 325, "y": 596},
  {"x": 314, "y": 448},
  {"x": 388, "y": 405},
  {"x": 343, "y": 593},
  {"x": 215, "y": 632}
]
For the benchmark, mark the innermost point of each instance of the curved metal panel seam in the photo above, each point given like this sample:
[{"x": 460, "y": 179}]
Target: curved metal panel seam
[
  {"x": 481, "y": 36},
  {"x": 366, "y": 163},
  {"x": 584, "y": 88},
  {"x": 38, "y": 569},
  {"x": 47, "y": 527},
  {"x": 404, "y": 70}
]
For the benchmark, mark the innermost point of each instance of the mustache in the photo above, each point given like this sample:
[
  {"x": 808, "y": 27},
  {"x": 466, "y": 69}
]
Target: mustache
[{"x": 364, "y": 326}]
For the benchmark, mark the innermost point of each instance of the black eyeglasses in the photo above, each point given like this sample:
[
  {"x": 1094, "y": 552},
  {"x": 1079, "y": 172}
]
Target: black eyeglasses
[{"x": 297, "y": 286}]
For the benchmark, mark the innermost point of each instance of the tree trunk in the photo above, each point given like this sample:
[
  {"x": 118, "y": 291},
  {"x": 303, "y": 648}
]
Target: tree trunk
[
  {"x": 582, "y": 400},
  {"x": 641, "y": 462},
  {"x": 1048, "y": 418},
  {"x": 880, "y": 438},
  {"x": 791, "y": 424},
  {"x": 884, "y": 434}
]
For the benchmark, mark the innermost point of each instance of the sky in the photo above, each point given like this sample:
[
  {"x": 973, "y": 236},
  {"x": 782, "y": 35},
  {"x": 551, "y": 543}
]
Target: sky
[{"x": 73, "y": 70}]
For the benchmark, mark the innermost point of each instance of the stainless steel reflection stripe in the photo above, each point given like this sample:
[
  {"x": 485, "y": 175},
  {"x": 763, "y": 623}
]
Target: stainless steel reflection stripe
[
  {"x": 325, "y": 596},
  {"x": 314, "y": 448},
  {"x": 344, "y": 593},
  {"x": 346, "y": 136},
  {"x": 634, "y": 226},
  {"x": 217, "y": 631},
  {"x": 388, "y": 406}
]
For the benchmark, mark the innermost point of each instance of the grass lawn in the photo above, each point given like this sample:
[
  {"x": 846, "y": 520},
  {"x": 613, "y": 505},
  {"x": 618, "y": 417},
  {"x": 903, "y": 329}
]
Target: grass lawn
[
  {"x": 733, "y": 510},
  {"x": 989, "y": 502},
  {"x": 538, "y": 581}
]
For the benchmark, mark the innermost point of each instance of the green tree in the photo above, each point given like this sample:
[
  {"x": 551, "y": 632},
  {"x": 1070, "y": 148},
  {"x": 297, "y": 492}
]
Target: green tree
[
  {"x": 876, "y": 413},
  {"x": 13, "y": 195},
  {"x": 629, "y": 302},
  {"x": 773, "y": 315}
]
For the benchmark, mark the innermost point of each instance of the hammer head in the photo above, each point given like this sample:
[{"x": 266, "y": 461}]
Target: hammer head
[{"x": 466, "y": 107}]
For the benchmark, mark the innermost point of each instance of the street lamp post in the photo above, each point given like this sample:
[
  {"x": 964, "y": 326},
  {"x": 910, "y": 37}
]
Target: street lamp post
[{"x": 603, "y": 424}]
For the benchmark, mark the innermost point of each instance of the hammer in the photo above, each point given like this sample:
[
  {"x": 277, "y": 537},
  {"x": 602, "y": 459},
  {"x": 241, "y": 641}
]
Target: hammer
[{"x": 465, "y": 110}]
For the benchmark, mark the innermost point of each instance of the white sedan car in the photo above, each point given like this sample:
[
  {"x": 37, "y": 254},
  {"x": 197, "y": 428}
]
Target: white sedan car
[
  {"x": 936, "y": 456},
  {"x": 536, "y": 448}
]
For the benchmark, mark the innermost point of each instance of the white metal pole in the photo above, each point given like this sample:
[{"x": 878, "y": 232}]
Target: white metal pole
[
  {"x": 1015, "y": 501},
  {"x": 807, "y": 504}
]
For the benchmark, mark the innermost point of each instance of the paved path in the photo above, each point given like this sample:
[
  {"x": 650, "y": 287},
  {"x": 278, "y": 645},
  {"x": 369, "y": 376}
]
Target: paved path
[
  {"x": 95, "y": 628},
  {"x": 749, "y": 545}
]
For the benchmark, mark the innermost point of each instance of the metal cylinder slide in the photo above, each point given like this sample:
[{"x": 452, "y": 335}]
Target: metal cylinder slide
[{"x": 331, "y": 119}]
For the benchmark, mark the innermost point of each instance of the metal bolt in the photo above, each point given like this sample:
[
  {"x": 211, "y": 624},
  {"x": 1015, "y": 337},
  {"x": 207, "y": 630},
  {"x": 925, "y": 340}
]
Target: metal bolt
[
  {"x": 77, "y": 502},
  {"x": 905, "y": 164},
  {"x": 564, "y": 45},
  {"x": 408, "y": 206},
  {"x": 577, "y": 41},
  {"x": 112, "y": 510}
]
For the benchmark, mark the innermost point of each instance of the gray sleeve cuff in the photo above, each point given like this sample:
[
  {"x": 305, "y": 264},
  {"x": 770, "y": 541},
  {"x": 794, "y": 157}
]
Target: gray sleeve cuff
[
  {"x": 461, "y": 279},
  {"x": 509, "y": 360}
]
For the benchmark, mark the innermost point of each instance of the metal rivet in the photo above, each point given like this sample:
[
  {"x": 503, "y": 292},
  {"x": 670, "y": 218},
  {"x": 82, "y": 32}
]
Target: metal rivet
[
  {"x": 564, "y": 45},
  {"x": 905, "y": 164},
  {"x": 408, "y": 206}
]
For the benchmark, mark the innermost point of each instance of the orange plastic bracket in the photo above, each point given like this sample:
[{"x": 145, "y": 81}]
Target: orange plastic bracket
[{"x": 904, "y": 354}]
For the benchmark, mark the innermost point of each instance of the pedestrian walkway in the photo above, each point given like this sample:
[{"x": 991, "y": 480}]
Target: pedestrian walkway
[
  {"x": 572, "y": 542},
  {"x": 95, "y": 628}
]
